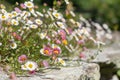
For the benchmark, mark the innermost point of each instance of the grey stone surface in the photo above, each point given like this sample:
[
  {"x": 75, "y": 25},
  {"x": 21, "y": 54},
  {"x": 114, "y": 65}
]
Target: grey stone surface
[
  {"x": 86, "y": 70},
  {"x": 3, "y": 75},
  {"x": 82, "y": 72},
  {"x": 110, "y": 52}
]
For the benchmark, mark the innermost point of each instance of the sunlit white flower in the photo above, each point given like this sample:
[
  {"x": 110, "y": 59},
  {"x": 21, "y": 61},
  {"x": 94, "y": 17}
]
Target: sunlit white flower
[
  {"x": 25, "y": 13},
  {"x": 10, "y": 15},
  {"x": 33, "y": 26},
  {"x": 85, "y": 32},
  {"x": 38, "y": 21},
  {"x": 3, "y": 11},
  {"x": 26, "y": 28},
  {"x": 14, "y": 13},
  {"x": 72, "y": 13},
  {"x": 43, "y": 35},
  {"x": 3, "y": 17},
  {"x": 61, "y": 25},
  {"x": 33, "y": 12},
  {"x": 67, "y": 1},
  {"x": 24, "y": 67},
  {"x": 60, "y": 60},
  {"x": 39, "y": 13},
  {"x": 29, "y": 4},
  {"x": 13, "y": 45},
  {"x": 72, "y": 21},
  {"x": 57, "y": 15},
  {"x": 29, "y": 22},
  {"x": 31, "y": 66},
  {"x": 0, "y": 44},
  {"x": 18, "y": 18},
  {"x": 14, "y": 22}
]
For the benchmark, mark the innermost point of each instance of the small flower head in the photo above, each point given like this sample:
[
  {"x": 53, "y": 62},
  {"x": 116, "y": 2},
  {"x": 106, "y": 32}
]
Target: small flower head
[
  {"x": 61, "y": 25},
  {"x": 62, "y": 33},
  {"x": 29, "y": 4},
  {"x": 13, "y": 45},
  {"x": 24, "y": 67},
  {"x": 82, "y": 55},
  {"x": 14, "y": 22},
  {"x": 57, "y": 15},
  {"x": 14, "y": 13},
  {"x": 58, "y": 41},
  {"x": 29, "y": 65},
  {"x": 60, "y": 60},
  {"x": 38, "y": 22},
  {"x": 3, "y": 17},
  {"x": 65, "y": 42},
  {"x": 47, "y": 51},
  {"x": 56, "y": 49},
  {"x": 22, "y": 6},
  {"x": 17, "y": 9},
  {"x": 43, "y": 35},
  {"x": 22, "y": 58},
  {"x": 45, "y": 64},
  {"x": 33, "y": 26}
]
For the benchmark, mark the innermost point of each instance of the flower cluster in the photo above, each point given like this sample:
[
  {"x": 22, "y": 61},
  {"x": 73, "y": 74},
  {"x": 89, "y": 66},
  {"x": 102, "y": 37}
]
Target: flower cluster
[{"x": 31, "y": 39}]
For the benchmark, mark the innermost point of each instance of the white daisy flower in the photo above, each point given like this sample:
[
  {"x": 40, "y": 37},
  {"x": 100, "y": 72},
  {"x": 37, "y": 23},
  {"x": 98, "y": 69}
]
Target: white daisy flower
[
  {"x": 10, "y": 15},
  {"x": 57, "y": 15},
  {"x": 24, "y": 67},
  {"x": 60, "y": 24},
  {"x": 43, "y": 35},
  {"x": 33, "y": 12},
  {"x": 29, "y": 4},
  {"x": 38, "y": 21},
  {"x": 33, "y": 26},
  {"x": 14, "y": 22},
  {"x": 39, "y": 13},
  {"x": 13, "y": 45},
  {"x": 60, "y": 60},
  {"x": 67, "y": 1},
  {"x": 14, "y": 13},
  {"x": 0, "y": 44},
  {"x": 18, "y": 18},
  {"x": 29, "y": 22},
  {"x": 3, "y": 17},
  {"x": 31, "y": 66},
  {"x": 3, "y": 11}
]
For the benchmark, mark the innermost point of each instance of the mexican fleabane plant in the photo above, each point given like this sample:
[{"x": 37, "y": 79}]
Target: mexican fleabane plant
[{"x": 31, "y": 39}]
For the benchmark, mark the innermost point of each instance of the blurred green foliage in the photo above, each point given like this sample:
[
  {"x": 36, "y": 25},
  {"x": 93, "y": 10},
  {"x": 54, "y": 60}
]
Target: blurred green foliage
[{"x": 102, "y": 11}]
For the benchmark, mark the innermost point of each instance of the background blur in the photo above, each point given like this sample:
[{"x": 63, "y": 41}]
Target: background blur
[{"x": 102, "y": 11}]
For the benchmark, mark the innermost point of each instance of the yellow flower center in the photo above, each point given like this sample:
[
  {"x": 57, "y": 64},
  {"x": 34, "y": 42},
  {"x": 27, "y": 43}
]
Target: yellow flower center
[
  {"x": 14, "y": 14},
  {"x": 30, "y": 65},
  {"x": 56, "y": 15},
  {"x": 56, "y": 51},
  {"x": 65, "y": 42},
  {"x": 61, "y": 61},
  {"x": 15, "y": 22},
  {"x": 12, "y": 45},
  {"x": 60, "y": 24},
  {"x": 46, "y": 51},
  {"x": 29, "y": 4},
  {"x": 3, "y": 17}
]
